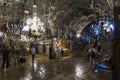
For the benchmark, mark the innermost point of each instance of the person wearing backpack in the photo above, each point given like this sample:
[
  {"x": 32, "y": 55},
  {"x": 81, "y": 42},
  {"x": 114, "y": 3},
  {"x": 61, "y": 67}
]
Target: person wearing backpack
[{"x": 94, "y": 56}]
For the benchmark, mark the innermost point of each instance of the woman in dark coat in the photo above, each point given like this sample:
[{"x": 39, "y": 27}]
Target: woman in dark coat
[
  {"x": 50, "y": 52},
  {"x": 6, "y": 57},
  {"x": 62, "y": 52}
]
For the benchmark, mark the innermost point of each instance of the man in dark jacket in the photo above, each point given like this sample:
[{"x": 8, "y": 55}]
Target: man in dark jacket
[
  {"x": 50, "y": 52},
  {"x": 6, "y": 58}
]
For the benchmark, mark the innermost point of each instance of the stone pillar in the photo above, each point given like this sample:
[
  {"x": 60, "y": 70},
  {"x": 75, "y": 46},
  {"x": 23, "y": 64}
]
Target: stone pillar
[
  {"x": 116, "y": 45},
  {"x": 71, "y": 45}
]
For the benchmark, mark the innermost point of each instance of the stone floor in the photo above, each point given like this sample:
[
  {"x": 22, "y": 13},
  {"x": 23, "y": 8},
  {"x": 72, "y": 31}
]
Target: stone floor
[{"x": 68, "y": 68}]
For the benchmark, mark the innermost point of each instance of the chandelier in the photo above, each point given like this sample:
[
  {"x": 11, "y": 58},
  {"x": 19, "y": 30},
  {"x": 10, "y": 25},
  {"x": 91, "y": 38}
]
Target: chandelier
[{"x": 34, "y": 22}]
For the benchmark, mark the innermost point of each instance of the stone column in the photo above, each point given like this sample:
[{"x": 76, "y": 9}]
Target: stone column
[
  {"x": 116, "y": 45},
  {"x": 71, "y": 45}
]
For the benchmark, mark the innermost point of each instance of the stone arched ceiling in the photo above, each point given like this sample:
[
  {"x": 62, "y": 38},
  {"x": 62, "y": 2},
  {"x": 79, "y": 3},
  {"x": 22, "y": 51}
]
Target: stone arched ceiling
[{"x": 56, "y": 14}]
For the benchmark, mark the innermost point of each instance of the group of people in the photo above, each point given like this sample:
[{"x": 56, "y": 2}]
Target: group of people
[
  {"x": 6, "y": 56},
  {"x": 55, "y": 53},
  {"x": 96, "y": 55},
  {"x": 17, "y": 53}
]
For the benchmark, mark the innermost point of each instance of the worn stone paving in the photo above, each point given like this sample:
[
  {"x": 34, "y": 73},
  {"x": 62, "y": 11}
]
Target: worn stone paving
[{"x": 68, "y": 68}]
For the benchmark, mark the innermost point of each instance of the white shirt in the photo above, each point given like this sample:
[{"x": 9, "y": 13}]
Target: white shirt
[{"x": 33, "y": 50}]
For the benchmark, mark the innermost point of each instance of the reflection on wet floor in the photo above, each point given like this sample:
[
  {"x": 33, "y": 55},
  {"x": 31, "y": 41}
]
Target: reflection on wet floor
[
  {"x": 61, "y": 69},
  {"x": 79, "y": 71}
]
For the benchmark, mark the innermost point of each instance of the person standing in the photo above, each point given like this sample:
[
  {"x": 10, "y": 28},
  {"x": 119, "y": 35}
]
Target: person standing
[
  {"x": 6, "y": 57},
  {"x": 32, "y": 50},
  {"x": 88, "y": 54},
  {"x": 50, "y": 52},
  {"x": 92, "y": 52},
  {"x": 95, "y": 43},
  {"x": 57, "y": 53},
  {"x": 62, "y": 52},
  {"x": 14, "y": 52}
]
